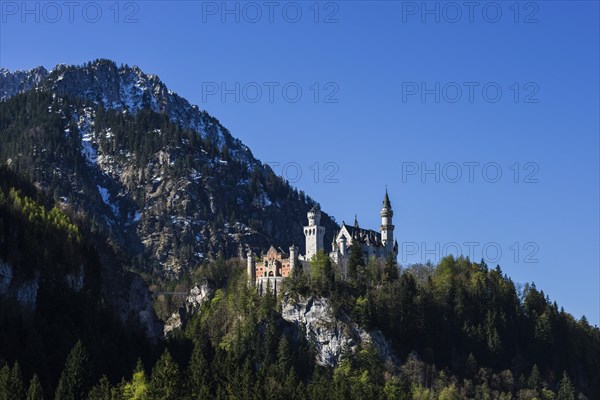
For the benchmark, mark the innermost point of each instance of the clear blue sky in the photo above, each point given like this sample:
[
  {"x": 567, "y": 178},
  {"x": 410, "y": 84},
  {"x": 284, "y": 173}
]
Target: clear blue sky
[{"x": 372, "y": 57}]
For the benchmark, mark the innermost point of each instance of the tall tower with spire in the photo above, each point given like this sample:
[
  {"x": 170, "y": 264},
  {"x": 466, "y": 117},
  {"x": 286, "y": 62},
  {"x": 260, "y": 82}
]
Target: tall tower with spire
[
  {"x": 387, "y": 228},
  {"x": 313, "y": 233}
]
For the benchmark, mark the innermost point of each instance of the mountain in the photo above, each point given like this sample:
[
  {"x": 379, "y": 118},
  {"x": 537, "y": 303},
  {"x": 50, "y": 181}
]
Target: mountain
[{"x": 168, "y": 183}]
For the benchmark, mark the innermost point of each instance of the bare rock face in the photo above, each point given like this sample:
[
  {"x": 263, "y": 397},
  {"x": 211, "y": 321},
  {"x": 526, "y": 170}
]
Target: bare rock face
[
  {"x": 172, "y": 323},
  {"x": 140, "y": 303},
  {"x": 25, "y": 293},
  {"x": 129, "y": 297},
  {"x": 133, "y": 302},
  {"x": 330, "y": 336},
  {"x": 19, "y": 81},
  {"x": 321, "y": 328},
  {"x": 199, "y": 294},
  {"x": 75, "y": 280}
]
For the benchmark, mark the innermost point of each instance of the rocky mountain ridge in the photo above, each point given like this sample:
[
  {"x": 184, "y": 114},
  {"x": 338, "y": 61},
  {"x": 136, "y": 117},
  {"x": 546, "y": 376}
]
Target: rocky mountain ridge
[
  {"x": 12, "y": 83},
  {"x": 168, "y": 182}
]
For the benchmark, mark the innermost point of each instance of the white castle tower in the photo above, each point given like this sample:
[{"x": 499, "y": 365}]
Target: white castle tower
[
  {"x": 251, "y": 268},
  {"x": 313, "y": 233},
  {"x": 387, "y": 228},
  {"x": 293, "y": 258}
]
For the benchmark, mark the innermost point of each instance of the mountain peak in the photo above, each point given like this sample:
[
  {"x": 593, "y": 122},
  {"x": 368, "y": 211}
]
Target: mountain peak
[
  {"x": 19, "y": 81},
  {"x": 123, "y": 88}
]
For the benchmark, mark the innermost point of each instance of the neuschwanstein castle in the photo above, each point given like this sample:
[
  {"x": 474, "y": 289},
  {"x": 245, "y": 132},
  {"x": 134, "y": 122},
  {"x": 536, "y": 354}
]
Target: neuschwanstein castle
[{"x": 277, "y": 265}]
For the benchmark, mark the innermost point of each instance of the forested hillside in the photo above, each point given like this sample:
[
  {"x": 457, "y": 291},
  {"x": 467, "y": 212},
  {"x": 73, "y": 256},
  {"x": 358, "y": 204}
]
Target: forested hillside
[
  {"x": 457, "y": 330},
  {"x": 59, "y": 284}
]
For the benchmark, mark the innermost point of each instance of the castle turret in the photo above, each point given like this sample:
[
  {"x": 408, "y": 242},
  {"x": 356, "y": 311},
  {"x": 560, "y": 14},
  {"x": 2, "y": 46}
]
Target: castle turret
[
  {"x": 251, "y": 268},
  {"x": 293, "y": 258},
  {"x": 387, "y": 228},
  {"x": 343, "y": 245},
  {"x": 356, "y": 233},
  {"x": 334, "y": 246},
  {"x": 314, "y": 216},
  {"x": 313, "y": 233}
]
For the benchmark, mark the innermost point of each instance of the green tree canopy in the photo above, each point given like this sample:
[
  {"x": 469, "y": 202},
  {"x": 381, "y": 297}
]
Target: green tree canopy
[
  {"x": 165, "y": 383},
  {"x": 75, "y": 379}
]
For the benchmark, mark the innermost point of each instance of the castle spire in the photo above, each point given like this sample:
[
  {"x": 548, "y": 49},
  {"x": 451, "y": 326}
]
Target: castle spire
[
  {"x": 386, "y": 200},
  {"x": 387, "y": 226}
]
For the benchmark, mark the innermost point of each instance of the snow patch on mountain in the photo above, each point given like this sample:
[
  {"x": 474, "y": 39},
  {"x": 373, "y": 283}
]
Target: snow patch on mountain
[
  {"x": 85, "y": 125},
  {"x": 106, "y": 199},
  {"x": 104, "y": 194}
]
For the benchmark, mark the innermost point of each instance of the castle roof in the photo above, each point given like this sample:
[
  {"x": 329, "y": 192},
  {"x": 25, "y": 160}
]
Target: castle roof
[
  {"x": 277, "y": 250},
  {"x": 386, "y": 200},
  {"x": 361, "y": 235}
]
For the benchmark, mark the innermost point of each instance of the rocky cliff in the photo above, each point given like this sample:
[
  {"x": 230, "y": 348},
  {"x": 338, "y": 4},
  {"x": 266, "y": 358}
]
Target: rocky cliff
[
  {"x": 330, "y": 335},
  {"x": 197, "y": 296}
]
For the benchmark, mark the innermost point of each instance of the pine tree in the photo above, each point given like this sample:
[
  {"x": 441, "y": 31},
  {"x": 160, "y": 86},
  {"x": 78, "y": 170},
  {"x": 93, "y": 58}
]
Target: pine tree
[
  {"x": 269, "y": 341},
  {"x": 269, "y": 301},
  {"x": 317, "y": 386},
  {"x": 165, "y": 383},
  {"x": 247, "y": 379},
  {"x": 292, "y": 388},
  {"x": 102, "y": 391},
  {"x": 535, "y": 378},
  {"x": 321, "y": 272},
  {"x": 471, "y": 366},
  {"x": 390, "y": 273},
  {"x": 75, "y": 379},
  {"x": 566, "y": 391},
  {"x": 138, "y": 387},
  {"x": 284, "y": 362},
  {"x": 4, "y": 382},
  {"x": 449, "y": 393},
  {"x": 199, "y": 371},
  {"x": 356, "y": 263},
  {"x": 11, "y": 385},
  {"x": 35, "y": 391},
  {"x": 16, "y": 382}
]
